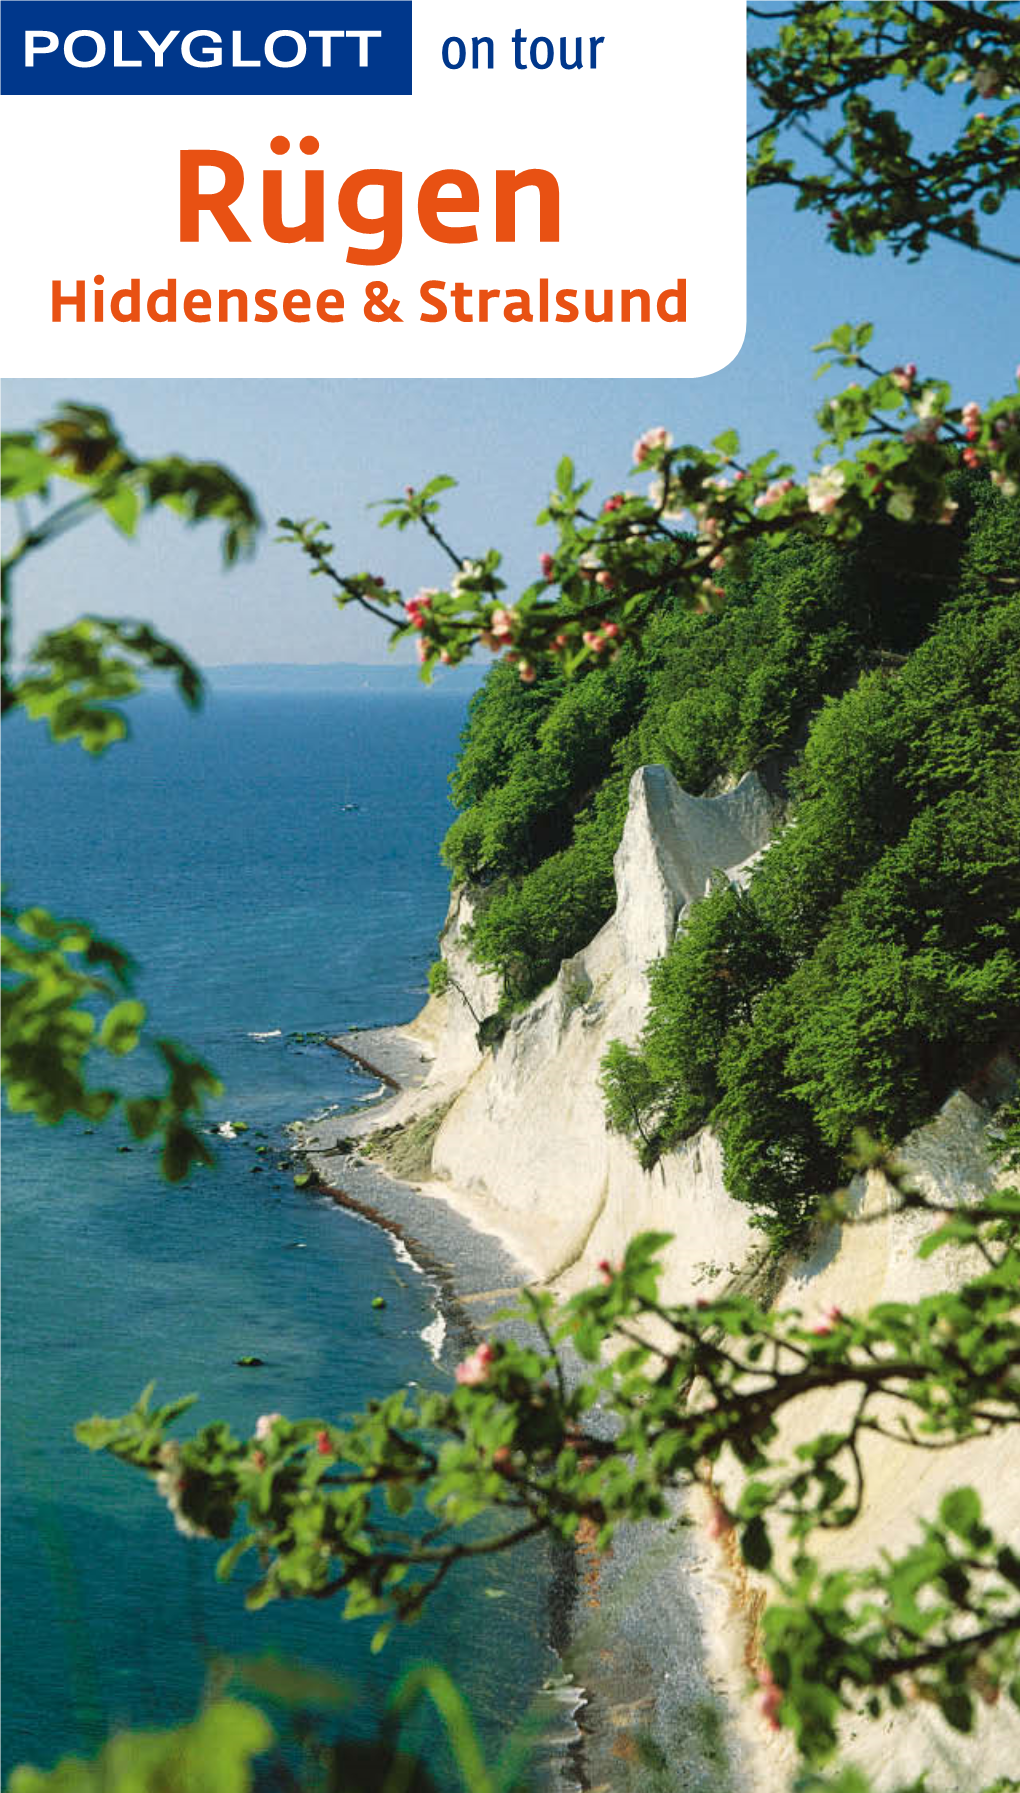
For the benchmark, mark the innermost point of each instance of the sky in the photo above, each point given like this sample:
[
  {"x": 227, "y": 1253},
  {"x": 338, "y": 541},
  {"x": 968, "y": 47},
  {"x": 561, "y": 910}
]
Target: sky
[{"x": 328, "y": 448}]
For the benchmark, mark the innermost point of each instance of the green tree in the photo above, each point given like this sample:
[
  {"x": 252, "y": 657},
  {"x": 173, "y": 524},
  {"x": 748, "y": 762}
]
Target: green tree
[
  {"x": 873, "y": 962},
  {"x": 865, "y": 174}
]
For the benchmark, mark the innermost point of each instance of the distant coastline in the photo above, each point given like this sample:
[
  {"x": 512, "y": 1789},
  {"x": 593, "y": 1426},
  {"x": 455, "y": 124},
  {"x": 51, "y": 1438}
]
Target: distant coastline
[{"x": 393, "y": 680}]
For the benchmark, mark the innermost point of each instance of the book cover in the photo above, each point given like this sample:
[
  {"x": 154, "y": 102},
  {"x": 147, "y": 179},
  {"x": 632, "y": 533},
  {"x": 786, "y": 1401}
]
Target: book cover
[{"x": 511, "y": 895}]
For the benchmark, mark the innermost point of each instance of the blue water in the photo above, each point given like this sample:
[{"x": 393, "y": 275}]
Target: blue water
[{"x": 219, "y": 850}]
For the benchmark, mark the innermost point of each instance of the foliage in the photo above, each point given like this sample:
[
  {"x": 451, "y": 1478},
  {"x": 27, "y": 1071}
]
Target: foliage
[
  {"x": 619, "y": 583},
  {"x": 439, "y": 977},
  {"x": 406, "y": 1150},
  {"x": 67, "y": 991},
  {"x": 868, "y": 177},
  {"x": 59, "y": 977},
  {"x": 518, "y": 1443},
  {"x": 525, "y": 928},
  {"x": 212, "y": 1755},
  {"x": 81, "y": 445},
  {"x": 874, "y": 960},
  {"x": 892, "y": 443},
  {"x": 619, "y": 573},
  {"x": 76, "y": 675},
  {"x": 544, "y": 791},
  {"x": 523, "y": 810},
  {"x": 218, "y": 1751}
]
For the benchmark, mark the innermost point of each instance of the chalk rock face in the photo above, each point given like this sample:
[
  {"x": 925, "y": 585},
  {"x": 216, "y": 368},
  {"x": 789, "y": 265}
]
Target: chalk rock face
[
  {"x": 672, "y": 846},
  {"x": 449, "y": 1026},
  {"x": 526, "y": 1139},
  {"x": 856, "y": 1267}
]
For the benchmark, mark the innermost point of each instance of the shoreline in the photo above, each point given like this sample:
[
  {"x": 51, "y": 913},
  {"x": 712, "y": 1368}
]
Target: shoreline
[{"x": 631, "y": 1628}]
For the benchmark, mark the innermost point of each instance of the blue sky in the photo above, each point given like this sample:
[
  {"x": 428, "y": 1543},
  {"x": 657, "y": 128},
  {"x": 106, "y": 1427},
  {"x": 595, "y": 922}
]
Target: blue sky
[{"x": 328, "y": 448}]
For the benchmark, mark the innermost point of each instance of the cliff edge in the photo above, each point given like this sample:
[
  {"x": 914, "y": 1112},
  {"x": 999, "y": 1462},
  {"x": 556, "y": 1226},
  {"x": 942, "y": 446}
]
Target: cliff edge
[{"x": 524, "y": 1146}]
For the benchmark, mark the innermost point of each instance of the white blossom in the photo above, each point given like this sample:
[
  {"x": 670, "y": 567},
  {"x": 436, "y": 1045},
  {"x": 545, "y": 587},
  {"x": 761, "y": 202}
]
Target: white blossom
[
  {"x": 825, "y": 490},
  {"x": 170, "y": 1484}
]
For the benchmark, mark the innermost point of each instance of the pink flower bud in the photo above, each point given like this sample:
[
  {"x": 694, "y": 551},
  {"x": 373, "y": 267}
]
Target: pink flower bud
[
  {"x": 323, "y": 1444},
  {"x": 829, "y": 1320},
  {"x": 475, "y": 1369},
  {"x": 770, "y": 1699},
  {"x": 652, "y": 439},
  {"x": 545, "y": 562},
  {"x": 606, "y": 580},
  {"x": 719, "y": 1523}
]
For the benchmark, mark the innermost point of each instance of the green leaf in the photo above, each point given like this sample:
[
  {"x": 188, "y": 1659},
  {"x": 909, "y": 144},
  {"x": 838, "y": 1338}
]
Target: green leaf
[
  {"x": 291, "y": 1684},
  {"x": 123, "y": 507},
  {"x": 215, "y": 1751},
  {"x": 960, "y": 1511},
  {"x": 120, "y": 1029},
  {"x": 143, "y": 1114},
  {"x": 755, "y": 1543},
  {"x": 24, "y": 469},
  {"x": 957, "y": 1708}
]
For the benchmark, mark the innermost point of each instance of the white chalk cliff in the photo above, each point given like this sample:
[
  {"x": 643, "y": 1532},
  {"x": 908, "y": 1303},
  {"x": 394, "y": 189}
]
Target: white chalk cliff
[
  {"x": 525, "y": 1140},
  {"x": 525, "y": 1152}
]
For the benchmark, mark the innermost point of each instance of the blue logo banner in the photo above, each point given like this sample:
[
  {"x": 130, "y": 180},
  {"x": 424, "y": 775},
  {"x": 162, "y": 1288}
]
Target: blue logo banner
[{"x": 278, "y": 47}]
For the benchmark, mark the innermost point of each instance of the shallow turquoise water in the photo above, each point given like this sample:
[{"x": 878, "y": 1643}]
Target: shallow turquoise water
[{"x": 220, "y": 851}]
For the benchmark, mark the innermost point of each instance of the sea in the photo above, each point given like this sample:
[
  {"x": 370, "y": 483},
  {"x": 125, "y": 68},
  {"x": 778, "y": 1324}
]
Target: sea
[{"x": 272, "y": 865}]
